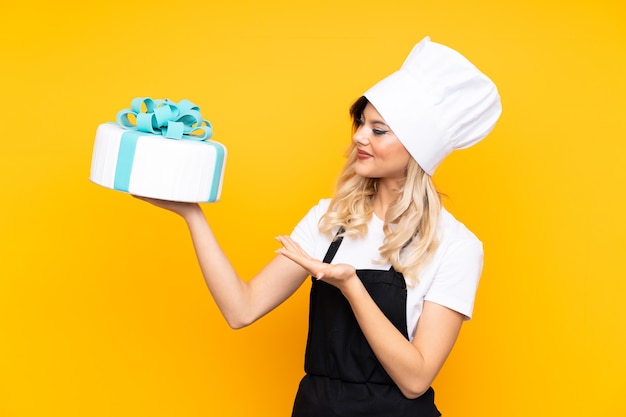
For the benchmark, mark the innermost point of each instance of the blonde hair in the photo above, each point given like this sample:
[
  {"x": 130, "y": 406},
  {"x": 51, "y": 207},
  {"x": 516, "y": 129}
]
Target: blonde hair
[{"x": 412, "y": 239}]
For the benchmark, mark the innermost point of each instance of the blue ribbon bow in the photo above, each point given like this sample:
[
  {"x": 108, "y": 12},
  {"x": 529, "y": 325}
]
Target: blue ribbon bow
[{"x": 172, "y": 120}]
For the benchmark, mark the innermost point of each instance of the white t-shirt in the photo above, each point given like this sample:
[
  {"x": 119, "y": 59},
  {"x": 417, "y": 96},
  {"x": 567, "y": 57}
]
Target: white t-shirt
[{"x": 450, "y": 278}]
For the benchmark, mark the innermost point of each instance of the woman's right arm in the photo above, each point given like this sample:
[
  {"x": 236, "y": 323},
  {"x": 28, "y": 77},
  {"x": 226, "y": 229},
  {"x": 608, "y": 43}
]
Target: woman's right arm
[{"x": 241, "y": 302}]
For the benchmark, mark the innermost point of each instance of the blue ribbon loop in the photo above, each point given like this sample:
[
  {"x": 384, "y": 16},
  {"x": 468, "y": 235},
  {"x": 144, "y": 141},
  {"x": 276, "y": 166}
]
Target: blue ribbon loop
[{"x": 172, "y": 120}]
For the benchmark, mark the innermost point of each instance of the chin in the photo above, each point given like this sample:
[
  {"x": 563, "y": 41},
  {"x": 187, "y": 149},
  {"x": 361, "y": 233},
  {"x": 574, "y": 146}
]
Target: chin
[
  {"x": 363, "y": 173},
  {"x": 359, "y": 169}
]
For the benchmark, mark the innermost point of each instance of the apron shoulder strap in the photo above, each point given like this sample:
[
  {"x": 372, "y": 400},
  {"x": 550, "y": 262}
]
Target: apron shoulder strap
[{"x": 334, "y": 246}]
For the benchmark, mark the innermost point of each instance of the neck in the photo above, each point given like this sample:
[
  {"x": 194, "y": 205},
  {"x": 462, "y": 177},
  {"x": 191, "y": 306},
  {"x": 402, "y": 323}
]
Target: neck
[{"x": 386, "y": 194}]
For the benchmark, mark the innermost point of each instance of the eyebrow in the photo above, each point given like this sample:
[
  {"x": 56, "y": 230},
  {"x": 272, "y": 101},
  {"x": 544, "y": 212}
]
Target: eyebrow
[
  {"x": 373, "y": 121},
  {"x": 378, "y": 122}
]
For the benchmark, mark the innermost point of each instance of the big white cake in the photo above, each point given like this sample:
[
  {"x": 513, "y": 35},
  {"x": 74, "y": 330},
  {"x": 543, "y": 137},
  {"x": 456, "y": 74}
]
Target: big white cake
[{"x": 159, "y": 149}]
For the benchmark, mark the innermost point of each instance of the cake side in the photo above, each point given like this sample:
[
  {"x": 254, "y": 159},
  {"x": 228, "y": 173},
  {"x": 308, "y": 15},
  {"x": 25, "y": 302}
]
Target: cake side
[{"x": 153, "y": 166}]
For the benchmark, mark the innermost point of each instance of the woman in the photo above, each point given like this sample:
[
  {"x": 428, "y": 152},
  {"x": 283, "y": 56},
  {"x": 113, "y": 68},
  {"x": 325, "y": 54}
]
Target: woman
[{"x": 395, "y": 274}]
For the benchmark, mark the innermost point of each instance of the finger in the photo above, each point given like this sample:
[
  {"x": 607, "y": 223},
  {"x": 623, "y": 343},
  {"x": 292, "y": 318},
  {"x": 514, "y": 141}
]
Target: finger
[
  {"x": 287, "y": 242},
  {"x": 301, "y": 251},
  {"x": 292, "y": 245},
  {"x": 300, "y": 259},
  {"x": 297, "y": 259},
  {"x": 311, "y": 265}
]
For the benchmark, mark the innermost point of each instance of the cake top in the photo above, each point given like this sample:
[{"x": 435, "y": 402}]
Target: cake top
[{"x": 167, "y": 118}]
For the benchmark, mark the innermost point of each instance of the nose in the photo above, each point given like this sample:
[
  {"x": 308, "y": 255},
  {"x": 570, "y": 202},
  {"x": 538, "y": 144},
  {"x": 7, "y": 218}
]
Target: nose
[{"x": 360, "y": 137}]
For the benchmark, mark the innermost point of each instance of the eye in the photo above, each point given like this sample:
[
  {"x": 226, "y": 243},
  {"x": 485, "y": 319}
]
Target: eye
[{"x": 379, "y": 132}]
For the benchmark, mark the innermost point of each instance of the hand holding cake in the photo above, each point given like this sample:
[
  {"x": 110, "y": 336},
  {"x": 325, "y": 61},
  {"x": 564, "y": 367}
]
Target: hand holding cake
[{"x": 178, "y": 207}]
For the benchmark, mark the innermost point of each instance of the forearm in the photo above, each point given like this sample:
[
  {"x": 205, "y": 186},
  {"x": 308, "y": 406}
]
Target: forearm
[
  {"x": 241, "y": 302},
  {"x": 402, "y": 360},
  {"x": 229, "y": 291}
]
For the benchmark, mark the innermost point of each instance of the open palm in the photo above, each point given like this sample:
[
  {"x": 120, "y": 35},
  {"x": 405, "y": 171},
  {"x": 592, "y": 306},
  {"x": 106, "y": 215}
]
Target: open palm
[{"x": 335, "y": 274}]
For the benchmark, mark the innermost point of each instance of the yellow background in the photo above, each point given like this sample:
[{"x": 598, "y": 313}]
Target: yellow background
[{"x": 103, "y": 311}]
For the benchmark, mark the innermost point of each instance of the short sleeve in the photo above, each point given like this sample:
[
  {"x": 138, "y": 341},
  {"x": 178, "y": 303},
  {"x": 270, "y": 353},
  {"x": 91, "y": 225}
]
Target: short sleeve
[
  {"x": 456, "y": 280},
  {"x": 306, "y": 233}
]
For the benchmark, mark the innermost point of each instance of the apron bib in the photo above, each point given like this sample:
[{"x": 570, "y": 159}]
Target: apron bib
[{"x": 343, "y": 376}]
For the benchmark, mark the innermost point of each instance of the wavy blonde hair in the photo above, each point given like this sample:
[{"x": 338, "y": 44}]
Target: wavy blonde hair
[{"x": 412, "y": 240}]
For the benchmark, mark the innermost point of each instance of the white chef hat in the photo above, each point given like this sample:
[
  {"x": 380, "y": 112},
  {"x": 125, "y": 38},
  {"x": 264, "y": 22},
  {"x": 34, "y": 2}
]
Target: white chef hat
[{"x": 436, "y": 102}]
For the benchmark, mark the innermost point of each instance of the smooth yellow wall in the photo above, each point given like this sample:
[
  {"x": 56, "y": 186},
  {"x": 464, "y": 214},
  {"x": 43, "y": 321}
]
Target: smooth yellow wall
[{"x": 103, "y": 311}]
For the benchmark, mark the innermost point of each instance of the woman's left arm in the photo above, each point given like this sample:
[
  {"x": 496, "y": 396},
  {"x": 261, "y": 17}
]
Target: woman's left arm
[{"x": 412, "y": 365}]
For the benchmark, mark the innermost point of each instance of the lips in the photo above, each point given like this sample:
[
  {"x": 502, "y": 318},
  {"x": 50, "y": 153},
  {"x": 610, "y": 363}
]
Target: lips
[{"x": 363, "y": 155}]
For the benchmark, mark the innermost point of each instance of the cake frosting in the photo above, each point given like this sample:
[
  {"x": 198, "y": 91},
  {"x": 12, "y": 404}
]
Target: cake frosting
[{"x": 159, "y": 149}]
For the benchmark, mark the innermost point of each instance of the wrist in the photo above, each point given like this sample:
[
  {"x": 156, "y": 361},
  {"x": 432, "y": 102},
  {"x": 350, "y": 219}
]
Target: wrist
[
  {"x": 191, "y": 212},
  {"x": 353, "y": 287}
]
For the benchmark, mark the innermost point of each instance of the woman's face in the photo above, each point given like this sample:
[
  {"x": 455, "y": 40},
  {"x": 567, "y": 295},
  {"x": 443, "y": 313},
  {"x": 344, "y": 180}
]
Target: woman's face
[{"x": 379, "y": 152}]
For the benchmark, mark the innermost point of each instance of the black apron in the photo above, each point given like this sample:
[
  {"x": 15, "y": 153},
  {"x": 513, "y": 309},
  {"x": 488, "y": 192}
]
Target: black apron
[{"x": 343, "y": 376}]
